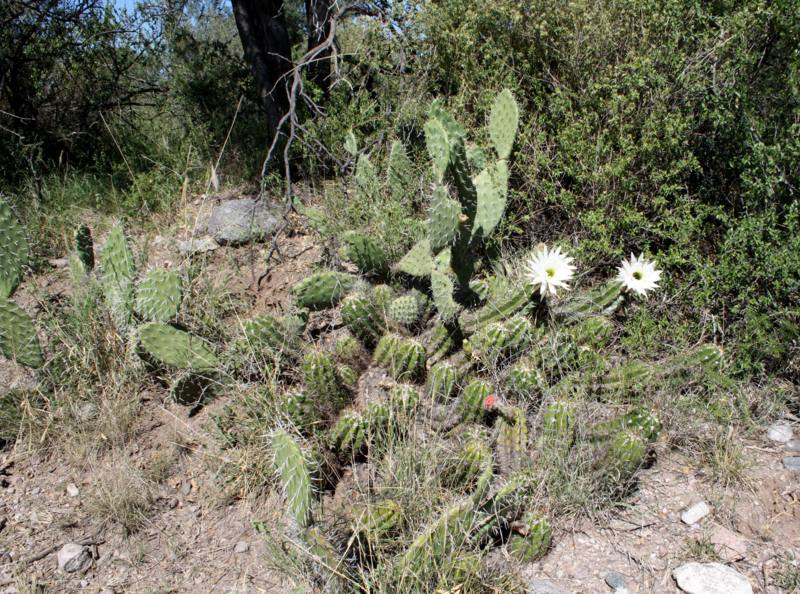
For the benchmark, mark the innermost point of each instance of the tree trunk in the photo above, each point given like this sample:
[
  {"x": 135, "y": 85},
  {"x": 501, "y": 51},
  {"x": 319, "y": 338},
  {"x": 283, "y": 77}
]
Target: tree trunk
[
  {"x": 318, "y": 17},
  {"x": 262, "y": 29}
]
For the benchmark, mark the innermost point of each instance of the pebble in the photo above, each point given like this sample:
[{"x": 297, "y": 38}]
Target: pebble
[
  {"x": 199, "y": 245},
  {"x": 615, "y": 580},
  {"x": 727, "y": 544},
  {"x": 793, "y": 446},
  {"x": 792, "y": 463},
  {"x": 84, "y": 584},
  {"x": 74, "y": 557},
  {"x": 241, "y": 547},
  {"x": 711, "y": 578},
  {"x": 72, "y": 490},
  {"x": 695, "y": 513},
  {"x": 780, "y": 432},
  {"x": 536, "y": 586}
]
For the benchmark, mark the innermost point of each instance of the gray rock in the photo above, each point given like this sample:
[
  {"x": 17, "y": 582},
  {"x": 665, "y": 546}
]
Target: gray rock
[
  {"x": 711, "y": 578},
  {"x": 615, "y": 580},
  {"x": 792, "y": 463},
  {"x": 72, "y": 490},
  {"x": 780, "y": 432},
  {"x": 695, "y": 513},
  {"x": 536, "y": 586},
  {"x": 74, "y": 557},
  {"x": 241, "y": 547},
  {"x": 240, "y": 221},
  {"x": 197, "y": 245},
  {"x": 793, "y": 446}
]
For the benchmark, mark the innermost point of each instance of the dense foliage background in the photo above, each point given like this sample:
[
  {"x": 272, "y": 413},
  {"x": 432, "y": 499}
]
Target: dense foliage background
[{"x": 671, "y": 127}]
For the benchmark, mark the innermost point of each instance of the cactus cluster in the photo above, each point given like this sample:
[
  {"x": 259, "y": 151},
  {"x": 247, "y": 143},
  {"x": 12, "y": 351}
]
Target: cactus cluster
[
  {"x": 472, "y": 401},
  {"x": 177, "y": 349},
  {"x": 456, "y": 226},
  {"x": 403, "y": 358},
  {"x": 442, "y": 380}
]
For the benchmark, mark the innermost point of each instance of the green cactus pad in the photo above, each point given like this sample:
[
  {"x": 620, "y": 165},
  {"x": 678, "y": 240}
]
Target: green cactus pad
[
  {"x": 84, "y": 246},
  {"x": 503, "y": 122},
  {"x": 399, "y": 176},
  {"x": 403, "y": 358},
  {"x": 13, "y": 251},
  {"x": 361, "y": 316},
  {"x": 442, "y": 380},
  {"x": 350, "y": 143},
  {"x": 418, "y": 261},
  {"x": 18, "y": 339},
  {"x": 443, "y": 286},
  {"x": 365, "y": 253},
  {"x": 293, "y": 468},
  {"x": 477, "y": 158},
  {"x": 276, "y": 336},
  {"x": 491, "y": 186},
  {"x": 176, "y": 348},
  {"x": 438, "y": 146},
  {"x": 444, "y": 219},
  {"x": 321, "y": 290},
  {"x": 531, "y": 539},
  {"x": 367, "y": 183},
  {"x": 471, "y": 402},
  {"x": 118, "y": 272},
  {"x": 158, "y": 296}
]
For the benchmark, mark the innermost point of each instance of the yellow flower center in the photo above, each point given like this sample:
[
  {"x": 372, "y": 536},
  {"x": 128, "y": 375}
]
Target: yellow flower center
[
  {"x": 551, "y": 272},
  {"x": 637, "y": 275}
]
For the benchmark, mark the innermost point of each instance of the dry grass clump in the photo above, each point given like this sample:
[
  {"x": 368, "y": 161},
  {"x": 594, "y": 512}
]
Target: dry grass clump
[{"x": 121, "y": 494}]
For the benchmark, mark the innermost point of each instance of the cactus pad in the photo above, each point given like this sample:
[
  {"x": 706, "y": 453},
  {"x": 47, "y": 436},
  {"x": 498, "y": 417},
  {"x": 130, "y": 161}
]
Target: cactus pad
[
  {"x": 176, "y": 348},
  {"x": 503, "y": 122},
  {"x": 84, "y": 247},
  {"x": 399, "y": 177},
  {"x": 158, "y": 296},
  {"x": 418, "y": 261},
  {"x": 361, "y": 316},
  {"x": 118, "y": 272},
  {"x": 292, "y": 466},
  {"x": 18, "y": 339},
  {"x": 321, "y": 290},
  {"x": 444, "y": 219},
  {"x": 13, "y": 250},
  {"x": 405, "y": 310},
  {"x": 365, "y": 253},
  {"x": 276, "y": 336}
]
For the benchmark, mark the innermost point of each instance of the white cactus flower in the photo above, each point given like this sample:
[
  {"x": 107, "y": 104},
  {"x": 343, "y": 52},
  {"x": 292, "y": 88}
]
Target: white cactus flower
[
  {"x": 550, "y": 270},
  {"x": 639, "y": 275}
]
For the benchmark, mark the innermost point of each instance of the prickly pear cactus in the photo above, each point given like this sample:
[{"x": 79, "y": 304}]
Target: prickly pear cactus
[
  {"x": 471, "y": 403},
  {"x": 18, "y": 339},
  {"x": 13, "y": 251},
  {"x": 84, "y": 247},
  {"x": 531, "y": 538},
  {"x": 118, "y": 272},
  {"x": 442, "y": 380},
  {"x": 367, "y": 184},
  {"x": 365, "y": 253},
  {"x": 293, "y": 468},
  {"x": 176, "y": 348},
  {"x": 158, "y": 296},
  {"x": 399, "y": 174},
  {"x": 321, "y": 290},
  {"x": 403, "y": 358},
  {"x": 418, "y": 261}
]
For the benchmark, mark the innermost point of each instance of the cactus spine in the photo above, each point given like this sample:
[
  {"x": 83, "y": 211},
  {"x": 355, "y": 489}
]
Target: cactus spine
[
  {"x": 442, "y": 379},
  {"x": 365, "y": 253},
  {"x": 322, "y": 380},
  {"x": 403, "y": 358},
  {"x": 405, "y": 310}
]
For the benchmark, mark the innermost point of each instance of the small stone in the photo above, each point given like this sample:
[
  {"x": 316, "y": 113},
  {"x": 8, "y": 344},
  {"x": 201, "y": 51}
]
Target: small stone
[
  {"x": 107, "y": 591},
  {"x": 241, "y": 547},
  {"x": 72, "y": 490},
  {"x": 711, "y": 578},
  {"x": 727, "y": 544},
  {"x": 239, "y": 221},
  {"x": 536, "y": 586},
  {"x": 695, "y": 513},
  {"x": 615, "y": 580},
  {"x": 780, "y": 432},
  {"x": 58, "y": 262},
  {"x": 793, "y": 446},
  {"x": 84, "y": 584},
  {"x": 199, "y": 245},
  {"x": 792, "y": 463},
  {"x": 74, "y": 557}
]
